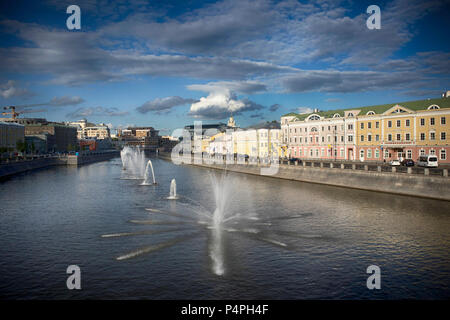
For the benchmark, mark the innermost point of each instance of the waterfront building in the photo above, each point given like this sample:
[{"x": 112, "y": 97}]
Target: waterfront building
[
  {"x": 320, "y": 135},
  {"x": 10, "y": 134},
  {"x": 375, "y": 133},
  {"x": 87, "y": 130},
  {"x": 60, "y": 137}
]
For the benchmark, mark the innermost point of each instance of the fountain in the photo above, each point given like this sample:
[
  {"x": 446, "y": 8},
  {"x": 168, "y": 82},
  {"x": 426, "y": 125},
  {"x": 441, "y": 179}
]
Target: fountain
[
  {"x": 149, "y": 168},
  {"x": 173, "y": 190},
  {"x": 133, "y": 162}
]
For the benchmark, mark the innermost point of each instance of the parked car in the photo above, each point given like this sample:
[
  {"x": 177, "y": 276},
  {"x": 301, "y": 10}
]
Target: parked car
[
  {"x": 428, "y": 161},
  {"x": 292, "y": 160},
  {"x": 394, "y": 162},
  {"x": 408, "y": 163}
]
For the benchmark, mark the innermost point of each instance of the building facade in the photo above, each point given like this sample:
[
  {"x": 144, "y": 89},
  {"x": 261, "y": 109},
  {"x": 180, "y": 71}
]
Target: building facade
[
  {"x": 377, "y": 133},
  {"x": 10, "y": 134}
]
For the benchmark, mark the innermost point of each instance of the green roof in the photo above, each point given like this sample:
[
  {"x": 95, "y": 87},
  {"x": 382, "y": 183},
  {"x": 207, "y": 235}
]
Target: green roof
[{"x": 379, "y": 109}]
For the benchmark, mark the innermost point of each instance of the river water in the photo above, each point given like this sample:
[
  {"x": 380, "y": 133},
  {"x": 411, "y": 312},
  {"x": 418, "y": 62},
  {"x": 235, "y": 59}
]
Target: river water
[{"x": 284, "y": 239}]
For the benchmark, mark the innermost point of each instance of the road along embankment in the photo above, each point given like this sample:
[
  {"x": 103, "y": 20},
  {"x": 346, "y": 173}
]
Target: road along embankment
[{"x": 418, "y": 185}]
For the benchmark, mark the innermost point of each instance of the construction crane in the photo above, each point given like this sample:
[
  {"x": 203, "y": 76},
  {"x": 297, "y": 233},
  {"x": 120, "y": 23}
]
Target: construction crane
[{"x": 15, "y": 114}]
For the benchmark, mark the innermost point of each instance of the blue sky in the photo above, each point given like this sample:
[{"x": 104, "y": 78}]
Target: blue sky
[{"x": 166, "y": 64}]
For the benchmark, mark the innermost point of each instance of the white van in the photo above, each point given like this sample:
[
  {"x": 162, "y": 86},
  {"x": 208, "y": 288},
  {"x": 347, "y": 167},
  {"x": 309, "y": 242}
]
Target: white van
[{"x": 428, "y": 161}]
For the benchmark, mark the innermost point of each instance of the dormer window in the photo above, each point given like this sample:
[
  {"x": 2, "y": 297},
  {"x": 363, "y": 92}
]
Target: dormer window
[
  {"x": 336, "y": 115},
  {"x": 433, "y": 107},
  {"x": 350, "y": 115},
  {"x": 370, "y": 113}
]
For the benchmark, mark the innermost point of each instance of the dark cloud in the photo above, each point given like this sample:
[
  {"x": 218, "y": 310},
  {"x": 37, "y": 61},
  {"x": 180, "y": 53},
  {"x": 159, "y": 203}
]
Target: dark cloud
[
  {"x": 163, "y": 104},
  {"x": 10, "y": 89},
  {"x": 274, "y": 107},
  {"x": 246, "y": 87},
  {"x": 346, "y": 81},
  {"x": 96, "y": 111}
]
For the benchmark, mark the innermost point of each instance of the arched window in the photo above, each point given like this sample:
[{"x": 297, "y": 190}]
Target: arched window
[
  {"x": 336, "y": 115},
  {"x": 350, "y": 115},
  {"x": 433, "y": 107},
  {"x": 313, "y": 129},
  {"x": 398, "y": 110},
  {"x": 313, "y": 117},
  {"x": 370, "y": 113}
]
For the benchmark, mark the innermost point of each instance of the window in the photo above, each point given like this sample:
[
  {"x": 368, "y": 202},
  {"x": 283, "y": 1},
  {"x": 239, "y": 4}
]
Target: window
[
  {"x": 301, "y": 139},
  {"x": 350, "y": 115},
  {"x": 369, "y": 138},
  {"x": 432, "y": 152},
  {"x": 336, "y": 115},
  {"x": 377, "y": 153},
  {"x": 361, "y": 154},
  {"x": 398, "y": 123},
  {"x": 389, "y": 124},
  {"x": 422, "y": 136},
  {"x": 399, "y": 137},
  {"x": 311, "y": 152},
  {"x": 389, "y": 137},
  {"x": 323, "y": 139},
  {"x": 370, "y": 113},
  {"x": 295, "y": 141},
  {"x": 422, "y": 152},
  {"x": 442, "y": 135},
  {"x": 407, "y": 137},
  {"x": 377, "y": 124},
  {"x": 442, "y": 120},
  {"x": 369, "y": 153},
  {"x": 443, "y": 154},
  {"x": 433, "y": 107},
  {"x": 408, "y": 154},
  {"x": 300, "y": 152},
  {"x": 407, "y": 122},
  {"x": 432, "y": 135},
  {"x": 369, "y": 125},
  {"x": 300, "y": 129},
  {"x": 432, "y": 121},
  {"x": 362, "y": 125},
  {"x": 313, "y": 117},
  {"x": 310, "y": 139},
  {"x": 322, "y": 152},
  {"x": 317, "y": 139},
  {"x": 350, "y": 138},
  {"x": 317, "y": 153},
  {"x": 342, "y": 153},
  {"x": 328, "y": 139},
  {"x": 422, "y": 121},
  {"x": 350, "y": 126},
  {"x": 377, "y": 137},
  {"x": 386, "y": 153},
  {"x": 323, "y": 128},
  {"x": 342, "y": 138},
  {"x": 362, "y": 137},
  {"x": 329, "y": 128}
]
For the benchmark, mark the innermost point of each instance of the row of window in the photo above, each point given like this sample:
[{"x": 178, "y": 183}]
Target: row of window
[
  {"x": 398, "y": 137},
  {"x": 315, "y": 153},
  {"x": 311, "y": 139},
  {"x": 387, "y": 154},
  {"x": 314, "y": 129}
]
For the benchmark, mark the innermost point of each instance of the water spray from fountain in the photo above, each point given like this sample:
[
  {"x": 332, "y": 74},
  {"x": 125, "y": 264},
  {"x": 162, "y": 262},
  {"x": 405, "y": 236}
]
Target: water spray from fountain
[
  {"x": 148, "y": 169},
  {"x": 173, "y": 190},
  {"x": 133, "y": 162}
]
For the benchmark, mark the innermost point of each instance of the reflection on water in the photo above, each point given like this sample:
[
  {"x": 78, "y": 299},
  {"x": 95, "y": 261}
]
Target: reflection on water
[{"x": 224, "y": 237}]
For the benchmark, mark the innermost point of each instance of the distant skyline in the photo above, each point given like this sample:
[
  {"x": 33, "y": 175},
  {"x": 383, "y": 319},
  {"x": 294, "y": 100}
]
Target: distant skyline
[{"x": 168, "y": 63}]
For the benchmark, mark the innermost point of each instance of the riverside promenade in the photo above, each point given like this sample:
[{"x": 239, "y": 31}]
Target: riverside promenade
[
  {"x": 410, "y": 181},
  {"x": 14, "y": 167}
]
